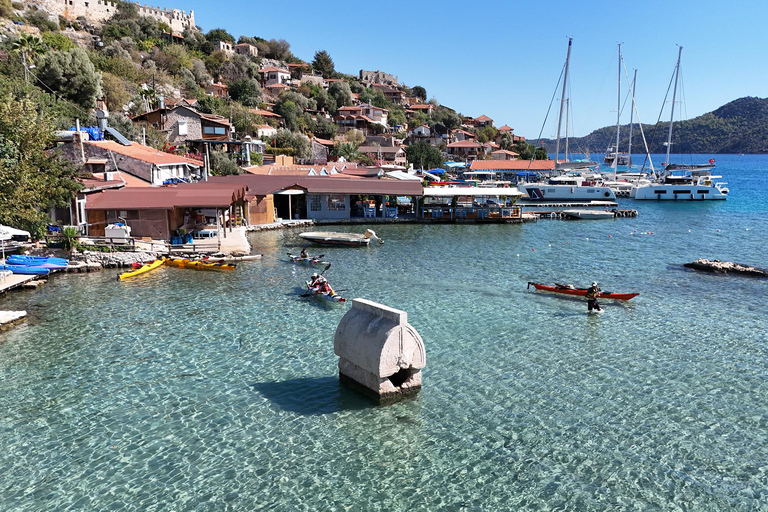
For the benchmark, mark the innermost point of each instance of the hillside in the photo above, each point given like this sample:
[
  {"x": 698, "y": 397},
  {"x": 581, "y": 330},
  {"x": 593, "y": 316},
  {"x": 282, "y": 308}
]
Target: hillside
[{"x": 740, "y": 126}]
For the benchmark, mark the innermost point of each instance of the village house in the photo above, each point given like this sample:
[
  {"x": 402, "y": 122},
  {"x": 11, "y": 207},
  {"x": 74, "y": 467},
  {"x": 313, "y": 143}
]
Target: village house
[
  {"x": 148, "y": 164},
  {"x": 503, "y": 154},
  {"x": 264, "y": 131},
  {"x": 217, "y": 90},
  {"x": 376, "y": 114},
  {"x": 513, "y": 169},
  {"x": 272, "y": 75},
  {"x": 393, "y": 94},
  {"x": 483, "y": 121},
  {"x": 459, "y": 135},
  {"x": 466, "y": 149},
  {"x": 426, "y": 108},
  {"x": 350, "y": 117},
  {"x": 224, "y": 46},
  {"x": 385, "y": 155},
  {"x": 422, "y": 131},
  {"x": 183, "y": 123},
  {"x": 247, "y": 49}
]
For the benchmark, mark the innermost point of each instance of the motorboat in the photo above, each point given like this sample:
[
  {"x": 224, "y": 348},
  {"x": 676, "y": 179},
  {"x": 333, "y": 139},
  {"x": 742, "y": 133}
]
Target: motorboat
[
  {"x": 341, "y": 239},
  {"x": 566, "y": 188}
]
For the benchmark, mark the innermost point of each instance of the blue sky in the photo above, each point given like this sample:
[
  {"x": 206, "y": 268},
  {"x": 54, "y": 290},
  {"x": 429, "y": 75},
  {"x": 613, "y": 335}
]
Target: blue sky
[{"x": 503, "y": 58}]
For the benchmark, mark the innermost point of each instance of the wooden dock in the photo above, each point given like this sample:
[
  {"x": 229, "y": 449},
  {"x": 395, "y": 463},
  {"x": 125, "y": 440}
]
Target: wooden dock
[
  {"x": 559, "y": 215},
  {"x": 15, "y": 281}
]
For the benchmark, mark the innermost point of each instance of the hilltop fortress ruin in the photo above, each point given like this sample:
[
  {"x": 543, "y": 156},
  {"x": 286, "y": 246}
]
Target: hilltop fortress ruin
[{"x": 98, "y": 11}]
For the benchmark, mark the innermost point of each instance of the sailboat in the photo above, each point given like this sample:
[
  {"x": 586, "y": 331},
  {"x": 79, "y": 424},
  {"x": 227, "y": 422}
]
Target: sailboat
[
  {"x": 682, "y": 182},
  {"x": 568, "y": 187}
]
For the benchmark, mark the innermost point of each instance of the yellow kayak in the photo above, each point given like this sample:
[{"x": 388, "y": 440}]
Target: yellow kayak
[
  {"x": 198, "y": 264},
  {"x": 177, "y": 262},
  {"x": 202, "y": 265},
  {"x": 142, "y": 270}
]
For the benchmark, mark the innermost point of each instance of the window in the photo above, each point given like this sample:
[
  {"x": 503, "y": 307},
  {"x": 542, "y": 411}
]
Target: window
[
  {"x": 220, "y": 131},
  {"x": 336, "y": 203},
  {"x": 208, "y": 130},
  {"x": 182, "y": 126},
  {"x": 314, "y": 203}
]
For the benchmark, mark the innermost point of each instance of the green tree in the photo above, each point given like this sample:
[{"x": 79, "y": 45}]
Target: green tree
[
  {"x": 341, "y": 93},
  {"x": 325, "y": 101},
  {"x": 222, "y": 165},
  {"x": 323, "y": 64},
  {"x": 349, "y": 150},
  {"x": 57, "y": 41},
  {"x": 31, "y": 181},
  {"x": 424, "y": 156},
  {"x": 219, "y": 34},
  {"x": 72, "y": 75},
  {"x": 29, "y": 47},
  {"x": 246, "y": 90},
  {"x": 418, "y": 91},
  {"x": 290, "y": 113},
  {"x": 214, "y": 61},
  {"x": 299, "y": 143}
]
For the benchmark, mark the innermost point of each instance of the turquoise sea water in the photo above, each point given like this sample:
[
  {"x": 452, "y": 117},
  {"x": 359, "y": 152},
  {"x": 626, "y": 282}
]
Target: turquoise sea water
[{"x": 185, "y": 390}]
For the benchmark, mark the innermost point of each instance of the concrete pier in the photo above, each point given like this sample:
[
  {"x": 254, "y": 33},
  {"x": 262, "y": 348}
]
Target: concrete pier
[{"x": 379, "y": 351}]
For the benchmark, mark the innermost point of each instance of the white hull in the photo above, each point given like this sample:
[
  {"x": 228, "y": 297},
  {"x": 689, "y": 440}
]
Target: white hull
[
  {"x": 544, "y": 192},
  {"x": 670, "y": 192}
]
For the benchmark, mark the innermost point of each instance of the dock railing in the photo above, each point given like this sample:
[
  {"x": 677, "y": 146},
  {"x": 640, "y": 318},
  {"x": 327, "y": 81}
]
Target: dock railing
[{"x": 476, "y": 213}]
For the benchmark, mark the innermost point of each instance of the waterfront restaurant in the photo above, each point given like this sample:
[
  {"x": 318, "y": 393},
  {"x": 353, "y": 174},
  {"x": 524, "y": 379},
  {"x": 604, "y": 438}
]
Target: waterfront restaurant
[
  {"x": 323, "y": 197},
  {"x": 159, "y": 212},
  {"x": 512, "y": 169}
]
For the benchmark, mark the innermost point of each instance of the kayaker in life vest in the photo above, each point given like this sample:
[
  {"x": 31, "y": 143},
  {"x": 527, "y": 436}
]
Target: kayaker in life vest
[
  {"x": 303, "y": 253},
  {"x": 593, "y": 292}
]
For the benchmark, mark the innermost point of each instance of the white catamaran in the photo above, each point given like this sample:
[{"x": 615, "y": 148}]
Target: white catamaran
[{"x": 682, "y": 182}]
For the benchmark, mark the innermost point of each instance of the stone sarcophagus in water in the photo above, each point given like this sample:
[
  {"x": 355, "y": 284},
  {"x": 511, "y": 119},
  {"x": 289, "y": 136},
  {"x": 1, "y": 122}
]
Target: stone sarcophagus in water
[{"x": 379, "y": 350}]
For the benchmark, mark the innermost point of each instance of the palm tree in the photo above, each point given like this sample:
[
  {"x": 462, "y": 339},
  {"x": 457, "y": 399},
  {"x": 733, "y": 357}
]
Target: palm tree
[
  {"x": 28, "y": 46},
  {"x": 348, "y": 150}
]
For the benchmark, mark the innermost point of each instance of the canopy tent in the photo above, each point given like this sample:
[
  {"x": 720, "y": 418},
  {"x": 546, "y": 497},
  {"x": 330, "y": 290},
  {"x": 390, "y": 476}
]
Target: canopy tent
[
  {"x": 400, "y": 175},
  {"x": 471, "y": 191},
  {"x": 431, "y": 177},
  {"x": 455, "y": 165},
  {"x": 436, "y": 171}
]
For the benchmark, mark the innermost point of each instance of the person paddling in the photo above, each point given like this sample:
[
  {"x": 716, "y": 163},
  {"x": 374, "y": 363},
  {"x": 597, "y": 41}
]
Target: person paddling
[
  {"x": 303, "y": 254},
  {"x": 593, "y": 292}
]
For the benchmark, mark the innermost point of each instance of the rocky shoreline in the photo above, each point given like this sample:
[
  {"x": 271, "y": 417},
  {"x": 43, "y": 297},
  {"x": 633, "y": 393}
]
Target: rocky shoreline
[{"x": 725, "y": 267}]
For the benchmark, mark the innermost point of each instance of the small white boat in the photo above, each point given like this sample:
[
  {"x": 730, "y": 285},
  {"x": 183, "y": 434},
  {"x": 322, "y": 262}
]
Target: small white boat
[
  {"x": 588, "y": 214},
  {"x": 343, "y": 239}
]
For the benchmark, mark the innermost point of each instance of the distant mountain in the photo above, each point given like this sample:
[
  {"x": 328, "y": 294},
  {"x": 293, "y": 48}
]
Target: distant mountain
[{"x": 740, "y": 126}]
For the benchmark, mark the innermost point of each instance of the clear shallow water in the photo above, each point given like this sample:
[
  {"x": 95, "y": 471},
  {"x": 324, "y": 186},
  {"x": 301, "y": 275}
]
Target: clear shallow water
[{"x": 189, "y": 390}]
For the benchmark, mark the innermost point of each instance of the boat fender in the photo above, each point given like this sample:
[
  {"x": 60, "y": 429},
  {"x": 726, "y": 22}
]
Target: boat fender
[{"x": 607, "y": 194}]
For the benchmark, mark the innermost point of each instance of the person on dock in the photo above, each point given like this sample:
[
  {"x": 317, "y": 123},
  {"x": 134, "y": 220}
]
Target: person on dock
[{"x": 593, "y": 292}]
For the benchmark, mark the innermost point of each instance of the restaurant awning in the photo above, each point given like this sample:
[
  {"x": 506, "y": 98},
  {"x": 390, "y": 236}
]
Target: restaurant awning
[{"x": 471, "y": 191}]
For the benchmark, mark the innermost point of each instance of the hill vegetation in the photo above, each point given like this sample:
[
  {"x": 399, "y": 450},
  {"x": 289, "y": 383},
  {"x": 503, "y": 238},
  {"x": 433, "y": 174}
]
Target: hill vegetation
[{"x": 740, "y": 126}]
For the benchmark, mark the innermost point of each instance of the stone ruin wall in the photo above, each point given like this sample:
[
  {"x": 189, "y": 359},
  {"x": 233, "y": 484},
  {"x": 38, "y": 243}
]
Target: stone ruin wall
[
  {"x": 378, "y": 77},
  {"x": 98, "y": 11}
]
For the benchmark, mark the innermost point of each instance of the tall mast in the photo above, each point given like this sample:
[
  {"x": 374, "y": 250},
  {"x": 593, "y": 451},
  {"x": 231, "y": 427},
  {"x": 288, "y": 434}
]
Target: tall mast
[
  {"x": 674, "y": 96},
  {"x": 618, "y": 119},
  {"x": 562, "y": 101},
  {"x": 567, "y": 112},
  {"x": 631, "y": 113}
]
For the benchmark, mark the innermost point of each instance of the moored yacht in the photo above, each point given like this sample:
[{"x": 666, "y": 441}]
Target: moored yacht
[
  {"x": 566, "y": 188},
  {"x": 688, "y": 186}
]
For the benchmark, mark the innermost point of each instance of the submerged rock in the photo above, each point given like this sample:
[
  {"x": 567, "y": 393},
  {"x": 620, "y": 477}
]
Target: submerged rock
[{"x": 724, "y": 267}]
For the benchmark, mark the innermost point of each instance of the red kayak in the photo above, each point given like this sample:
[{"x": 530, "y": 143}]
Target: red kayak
[{"x": 581, "y": 292}]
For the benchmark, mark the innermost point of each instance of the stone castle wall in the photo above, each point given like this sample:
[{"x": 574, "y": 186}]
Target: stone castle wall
[
  {"x": 377, "y": 77},
  {"x": 97, "y": 11}
]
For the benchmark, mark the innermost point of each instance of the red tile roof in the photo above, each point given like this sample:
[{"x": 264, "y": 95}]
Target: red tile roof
[
  {"x": 506, "y": 128},
  {"x": 144, "y": 153},
  {"x": 264, "y": 113},
  {"x": 425, "y": 106},
  {"x": 504, "y": 152},
  {"x": 464, "y": 144},
  {"x": 167, "y": 198},
  {"x": 483, "y": 119},
  {"x": 513, "y": 165},
  {"x": 272, "y": 68},
  {"x": 264, "y": 185},
  {"x": 277, "y": 86}
]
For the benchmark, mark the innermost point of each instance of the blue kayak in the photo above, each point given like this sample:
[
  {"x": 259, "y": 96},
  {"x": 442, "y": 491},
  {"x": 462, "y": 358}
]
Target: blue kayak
[
  {"x": 26, "y": 269},
  {"x": 36, "y": 259}
]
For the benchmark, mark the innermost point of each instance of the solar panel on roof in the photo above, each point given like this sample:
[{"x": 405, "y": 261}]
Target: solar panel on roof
[{"x": 119, "y": 137}]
